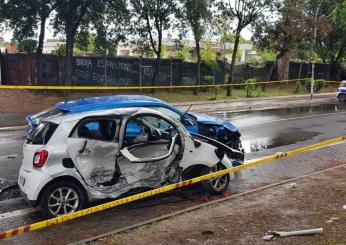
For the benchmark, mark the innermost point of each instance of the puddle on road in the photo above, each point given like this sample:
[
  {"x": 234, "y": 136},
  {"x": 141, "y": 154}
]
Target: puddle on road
[
  {"x": 253, "y": 117},
  {"x": 281, "y": 139}
]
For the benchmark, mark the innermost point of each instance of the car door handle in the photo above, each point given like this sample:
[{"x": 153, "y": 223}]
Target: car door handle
[{"x": 84, "y": 146}]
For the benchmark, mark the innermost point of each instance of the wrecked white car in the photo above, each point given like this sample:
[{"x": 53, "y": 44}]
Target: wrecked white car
[{"x": 70, "y": 160}]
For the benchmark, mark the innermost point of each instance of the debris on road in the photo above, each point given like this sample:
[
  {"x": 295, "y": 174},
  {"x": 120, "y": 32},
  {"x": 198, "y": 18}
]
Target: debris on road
[
  {"x": 331, "y": 220},
  {"x": 291, "y": 185},
  {"x": 272, "y": 234}
]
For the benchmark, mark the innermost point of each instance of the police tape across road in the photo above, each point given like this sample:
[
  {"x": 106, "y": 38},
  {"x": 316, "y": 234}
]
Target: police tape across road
[
  {"x": 101, "y": 207},
  {"x": 59, "y": 87}
]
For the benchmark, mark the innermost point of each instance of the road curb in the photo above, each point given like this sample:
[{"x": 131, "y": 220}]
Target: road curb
[
  {"x": 13, "y": 128},
  {"x": 171, "y": 215}
]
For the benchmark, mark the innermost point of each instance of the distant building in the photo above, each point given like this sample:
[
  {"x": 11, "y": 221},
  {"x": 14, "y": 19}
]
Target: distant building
[
  {"x": 11, "y": 48},
  {"x": 245, "y": 50},
  {"x": 130, "y": 49},
  {"x": 51, "y": 45}
]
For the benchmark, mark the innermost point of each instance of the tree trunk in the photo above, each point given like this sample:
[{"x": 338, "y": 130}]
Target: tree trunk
[
  {"x": 68, "y": 58},
  {"x": 300, "y": 70},
  {"x": 157, "y": 71},
  {"x": 198, "y": 72},
  {"x": 38, "y": 78},
  {"x": 283, "y": 66},
  {"x": 234, "y": 57},
  {"x": 330, "y": 70}
]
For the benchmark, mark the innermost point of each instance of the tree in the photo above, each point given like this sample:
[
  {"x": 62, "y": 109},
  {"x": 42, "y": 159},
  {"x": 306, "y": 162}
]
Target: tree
[
  {"x": 77, "y": 15},
  {"x": 331, "y": 48},
  {"x": 245, "y": 12},
  {"x": 208, "y": 56},
  {"x": 28, "y": 46},
  {"x": 291, "y": 32},
  {"x": 150, "y": 19},
  {"x": 196, "y": 15},
  {"x": 183, "y": 52},
  {"x": 221, "y": 27},
  {"x": 23, "y": 17}
]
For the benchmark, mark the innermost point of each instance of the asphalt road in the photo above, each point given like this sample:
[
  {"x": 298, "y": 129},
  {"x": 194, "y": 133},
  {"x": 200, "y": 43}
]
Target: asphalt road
[{"x": 263, "y": 132}]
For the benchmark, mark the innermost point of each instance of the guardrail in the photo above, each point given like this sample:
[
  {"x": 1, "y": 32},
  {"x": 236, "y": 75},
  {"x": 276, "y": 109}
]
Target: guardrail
[{"x": 122, "y": 201}]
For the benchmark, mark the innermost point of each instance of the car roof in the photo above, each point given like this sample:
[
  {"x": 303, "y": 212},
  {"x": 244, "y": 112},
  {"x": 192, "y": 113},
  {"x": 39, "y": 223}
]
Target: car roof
[{"x": 110, "y": 102}]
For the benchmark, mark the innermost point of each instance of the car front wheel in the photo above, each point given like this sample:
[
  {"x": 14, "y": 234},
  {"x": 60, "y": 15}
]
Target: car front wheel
[
  {"x": 216, "y": 185},
  {"x": 62, "y": 198},
  {"x": 342, "y": 97}
]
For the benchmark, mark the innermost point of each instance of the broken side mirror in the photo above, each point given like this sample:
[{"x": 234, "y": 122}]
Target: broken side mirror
[{"x": 188, "y": 122}]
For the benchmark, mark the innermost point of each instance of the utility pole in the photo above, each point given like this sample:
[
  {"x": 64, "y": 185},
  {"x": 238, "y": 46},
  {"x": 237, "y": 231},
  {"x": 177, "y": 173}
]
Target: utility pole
[{"x": 314, "y": 43}]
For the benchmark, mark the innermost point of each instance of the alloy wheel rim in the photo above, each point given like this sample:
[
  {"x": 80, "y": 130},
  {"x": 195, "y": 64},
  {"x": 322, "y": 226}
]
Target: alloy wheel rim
[
  {"x": 220, "y": 182},
  {"x": 63, "y": 201}
]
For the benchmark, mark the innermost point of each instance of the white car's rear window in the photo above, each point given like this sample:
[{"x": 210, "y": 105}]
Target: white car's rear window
[{"x": 41, "y": 134}]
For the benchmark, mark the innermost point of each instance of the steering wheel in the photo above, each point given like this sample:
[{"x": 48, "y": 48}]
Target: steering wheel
[{"x": 156, "y": 133}]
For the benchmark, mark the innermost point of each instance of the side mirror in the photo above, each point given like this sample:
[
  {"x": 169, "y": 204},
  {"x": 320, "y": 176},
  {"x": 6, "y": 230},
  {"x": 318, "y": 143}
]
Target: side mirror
[{"x": 188, "y": 122}]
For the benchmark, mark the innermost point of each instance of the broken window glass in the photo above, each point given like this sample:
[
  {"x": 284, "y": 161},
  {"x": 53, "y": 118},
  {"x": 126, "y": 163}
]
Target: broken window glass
[{"x": 97, "y": 129}]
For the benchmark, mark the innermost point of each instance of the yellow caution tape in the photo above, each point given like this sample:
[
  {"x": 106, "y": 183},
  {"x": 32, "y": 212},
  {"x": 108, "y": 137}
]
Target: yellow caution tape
[
  {"x": 28, "y": 87},
  {"x": 98, "y": 208}
]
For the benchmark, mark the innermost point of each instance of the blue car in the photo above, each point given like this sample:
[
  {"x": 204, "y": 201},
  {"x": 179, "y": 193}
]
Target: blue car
[
  {"x": 341, "y": 93},
  {"x": 200, "y": 125}
]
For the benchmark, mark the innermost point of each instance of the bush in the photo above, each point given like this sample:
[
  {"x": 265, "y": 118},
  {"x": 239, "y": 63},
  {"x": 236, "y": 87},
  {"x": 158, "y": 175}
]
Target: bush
[
  {"x": 252, "y": 88},
  {"x": 318, "y": 85},
  {"x": 208, "y": 80},
  {"x": 298, "y": 87}
]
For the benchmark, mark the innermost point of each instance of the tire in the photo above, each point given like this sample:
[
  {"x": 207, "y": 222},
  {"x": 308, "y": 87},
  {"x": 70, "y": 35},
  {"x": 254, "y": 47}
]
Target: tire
[
  {"x": 342, "y": 97},
  {"x": 211, "y": 185},
  {"x": 51, "y": 203}
]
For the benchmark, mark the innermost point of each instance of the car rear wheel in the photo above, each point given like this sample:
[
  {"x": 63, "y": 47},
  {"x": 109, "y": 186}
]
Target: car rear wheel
[
  {"x": 216, "y": 185},
  {"x": 342, "y": 97},
  {"x": 62, "y": 198}
]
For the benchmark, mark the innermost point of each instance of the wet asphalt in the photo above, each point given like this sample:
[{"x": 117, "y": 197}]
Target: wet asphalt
[{"x": 263, "y": 133}]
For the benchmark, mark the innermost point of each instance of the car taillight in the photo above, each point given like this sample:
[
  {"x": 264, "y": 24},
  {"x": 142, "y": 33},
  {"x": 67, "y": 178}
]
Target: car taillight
[{"x": 40, "y": 158}]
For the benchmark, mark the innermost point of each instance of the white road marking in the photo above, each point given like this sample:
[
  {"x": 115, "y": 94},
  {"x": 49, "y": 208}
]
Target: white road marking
[
  {"x": 11, "y": 156},
  {"x": 18, "y": 213}
]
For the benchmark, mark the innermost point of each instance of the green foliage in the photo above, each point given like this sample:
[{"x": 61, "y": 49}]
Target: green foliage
[
  {"x": 208, "y": 80},
  {"x": 85, "y": 42},
  {"x": 208, "y": 56},
  {"x": 318, "y": 85},
  {"x": 252, "y": 88},
  {"x": 165, "y": 52},
  {"x": 149, "y": 19},
  {"x": 183, "y": 52},
  {"x": 61, "y": 50},
  {"x": 262, "y": 57},
  {"x": 298, "y": 87},
  {"x": 194, "y": 15},
  {"x": 27, "y": 46},
  {"x": 332, "y": 47}
]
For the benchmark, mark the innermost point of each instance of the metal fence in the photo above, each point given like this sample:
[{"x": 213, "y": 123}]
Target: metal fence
[{"x": 20, "y": 69}]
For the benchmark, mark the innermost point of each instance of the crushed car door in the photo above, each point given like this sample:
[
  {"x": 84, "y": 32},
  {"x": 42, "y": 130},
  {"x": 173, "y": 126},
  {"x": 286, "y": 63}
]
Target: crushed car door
[
  {"x": 93, "y": 147},
  {"x": 152, "y": 157}
]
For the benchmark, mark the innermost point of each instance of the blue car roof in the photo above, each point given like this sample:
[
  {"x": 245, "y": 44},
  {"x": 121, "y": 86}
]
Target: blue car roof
[{"x": 111, "y": 102}]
